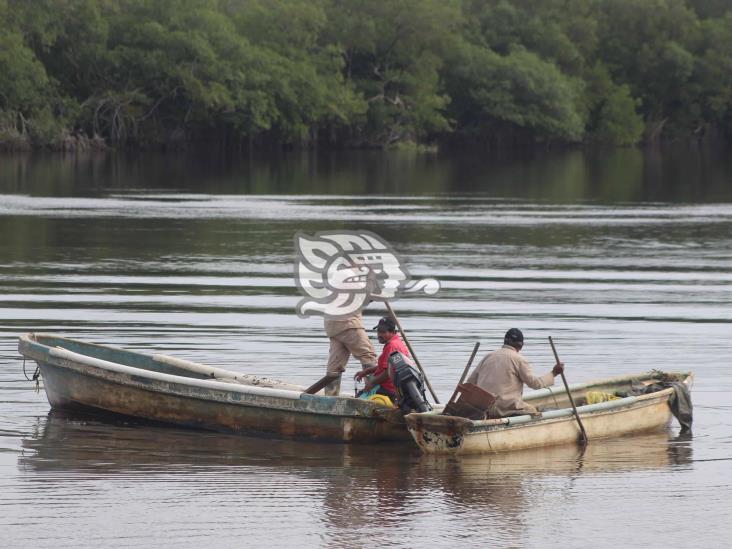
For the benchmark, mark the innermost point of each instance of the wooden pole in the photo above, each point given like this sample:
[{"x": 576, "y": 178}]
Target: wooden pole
[
  {"x": 465, "y": 373},
  {"x": 321, "y": 383},
  {"x": 583, "y": 435},
  {"x": 411, "y": 350}
]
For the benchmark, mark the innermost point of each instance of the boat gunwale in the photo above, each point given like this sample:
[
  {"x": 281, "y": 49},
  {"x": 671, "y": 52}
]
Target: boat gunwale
[
  {"x": 558, "y": 391},
  {"x": 210, "y": 372},
  {"x": 632, "y": 403}
]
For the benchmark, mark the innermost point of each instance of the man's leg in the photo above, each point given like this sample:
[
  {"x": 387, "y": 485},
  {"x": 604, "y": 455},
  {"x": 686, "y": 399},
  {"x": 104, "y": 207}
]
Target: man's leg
[
  {"x": 337, "y": 360},
  {"x": 359, "y": 345}
]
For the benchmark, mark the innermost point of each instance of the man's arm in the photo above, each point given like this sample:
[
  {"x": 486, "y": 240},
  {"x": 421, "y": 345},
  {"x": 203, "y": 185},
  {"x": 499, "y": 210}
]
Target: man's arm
[
  {"x": 361, "y": 374},
  {"x": 535, "y": 382},
  {"x": 372, "y": 381}
]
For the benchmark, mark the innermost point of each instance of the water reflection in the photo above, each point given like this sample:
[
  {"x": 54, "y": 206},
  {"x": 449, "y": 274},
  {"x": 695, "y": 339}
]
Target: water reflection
[
  {"x": 620, "y": 175},
  {"x": 78, "y": 441},
  {"x": 350, "y": 489}
]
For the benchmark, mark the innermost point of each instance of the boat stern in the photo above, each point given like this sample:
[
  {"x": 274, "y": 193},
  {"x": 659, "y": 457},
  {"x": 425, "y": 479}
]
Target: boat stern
[{"x": 436, "y": 433}]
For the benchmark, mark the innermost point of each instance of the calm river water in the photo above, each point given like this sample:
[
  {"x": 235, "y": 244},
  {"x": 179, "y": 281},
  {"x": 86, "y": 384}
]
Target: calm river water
[{"x": 625, "y": 258}]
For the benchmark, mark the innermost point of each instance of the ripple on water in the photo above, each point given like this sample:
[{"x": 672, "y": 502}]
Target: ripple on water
[{"x": 622, "y": 289}]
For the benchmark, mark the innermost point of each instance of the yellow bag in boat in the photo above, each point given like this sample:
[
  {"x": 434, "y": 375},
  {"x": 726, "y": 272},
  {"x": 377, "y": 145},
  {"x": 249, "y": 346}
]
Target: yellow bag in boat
[
  {"x": 381, "y": 399},
  {"x": 594, "y": 397}
]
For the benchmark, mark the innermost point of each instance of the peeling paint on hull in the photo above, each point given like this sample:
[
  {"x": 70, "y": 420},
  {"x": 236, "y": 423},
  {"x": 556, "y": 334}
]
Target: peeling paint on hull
[{"x": 205, "y": 402}]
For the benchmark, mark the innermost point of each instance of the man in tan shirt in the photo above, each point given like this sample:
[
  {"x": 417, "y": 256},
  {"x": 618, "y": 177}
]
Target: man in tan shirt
[
  {"x": 347, "y": 337},
  {"x": 504, "y": 372}
]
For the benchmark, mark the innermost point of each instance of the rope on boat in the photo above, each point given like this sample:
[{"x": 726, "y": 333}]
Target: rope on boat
[
  {"x": 36, "y": 376},
  {"x": 553, "y": 396},
  {"x": 490, "y": 446}
]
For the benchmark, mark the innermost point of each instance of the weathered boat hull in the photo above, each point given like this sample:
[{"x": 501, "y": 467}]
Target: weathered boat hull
[
  {"x": 437, "y": 434},
  {"x": 213, "y": 401}
]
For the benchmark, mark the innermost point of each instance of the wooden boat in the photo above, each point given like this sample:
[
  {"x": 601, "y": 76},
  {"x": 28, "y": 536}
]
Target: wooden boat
[
  {"x": 441, "y": 434},
  {"x": 166, "y": 389}
]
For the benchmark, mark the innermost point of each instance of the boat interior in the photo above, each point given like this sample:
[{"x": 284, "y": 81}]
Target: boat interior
[
  {"x": 158, "y": 363},
  {"x": 555, "y": 398}
]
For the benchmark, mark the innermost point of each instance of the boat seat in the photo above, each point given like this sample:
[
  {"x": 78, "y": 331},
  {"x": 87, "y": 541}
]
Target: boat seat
[{"x": 473, "y": 402}]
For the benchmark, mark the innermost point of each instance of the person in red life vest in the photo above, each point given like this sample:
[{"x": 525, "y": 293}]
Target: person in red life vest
[{"x": 378, "y": 376}]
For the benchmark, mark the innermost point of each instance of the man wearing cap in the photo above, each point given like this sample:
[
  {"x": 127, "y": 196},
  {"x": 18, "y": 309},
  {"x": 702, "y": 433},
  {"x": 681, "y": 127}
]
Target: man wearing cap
[
  {"x": 378, "y": 375},
  {"x": 347, "y": 337},
  {"x": 504, "y": 372}
]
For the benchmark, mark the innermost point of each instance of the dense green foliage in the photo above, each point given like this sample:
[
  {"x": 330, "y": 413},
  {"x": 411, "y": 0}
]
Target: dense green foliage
[{"x": 78, "y": 73}]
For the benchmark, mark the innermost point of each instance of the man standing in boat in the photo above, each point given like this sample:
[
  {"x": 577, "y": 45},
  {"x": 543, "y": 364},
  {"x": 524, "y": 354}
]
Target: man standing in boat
[
  {"x": 339, "y": 273},
  {"x": 504, "y": 372},
  {"x": 347, "y": 337},
  {"x": 378, "y": 376}
]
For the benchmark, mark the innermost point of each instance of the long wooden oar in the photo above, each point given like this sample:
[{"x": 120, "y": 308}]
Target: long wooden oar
[
  {"x": 583, "y": 436},
  {"x": 411, "y": 350},
  {"x": 462, "y": 377},
  {"x": 320, "y": 384}
]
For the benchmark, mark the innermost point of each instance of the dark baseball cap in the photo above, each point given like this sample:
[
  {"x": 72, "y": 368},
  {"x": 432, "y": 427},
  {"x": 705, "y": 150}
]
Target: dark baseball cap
[
  {"x": 514, "y": 335},
  {"x": 386, "y": 324}
]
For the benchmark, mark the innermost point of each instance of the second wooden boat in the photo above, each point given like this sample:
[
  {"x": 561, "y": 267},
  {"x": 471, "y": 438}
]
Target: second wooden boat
[{"x": 617, "y": 416}]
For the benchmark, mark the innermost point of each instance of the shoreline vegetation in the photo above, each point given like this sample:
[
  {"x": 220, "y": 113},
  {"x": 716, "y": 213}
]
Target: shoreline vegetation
[{"x": 80, "y": 75}]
